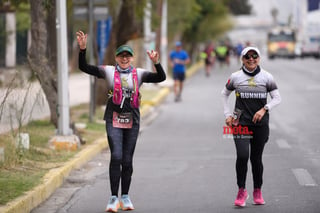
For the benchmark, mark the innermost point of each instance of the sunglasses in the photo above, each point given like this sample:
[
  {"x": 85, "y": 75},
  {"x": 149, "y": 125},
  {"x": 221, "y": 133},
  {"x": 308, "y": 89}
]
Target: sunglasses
[
  {"x": 124, "y": 56},
  {"x": 254, "y": 56}
]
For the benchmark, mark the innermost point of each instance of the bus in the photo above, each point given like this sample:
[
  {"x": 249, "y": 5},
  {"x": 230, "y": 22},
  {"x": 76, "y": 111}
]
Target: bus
[{"x": 281, "y": 42}]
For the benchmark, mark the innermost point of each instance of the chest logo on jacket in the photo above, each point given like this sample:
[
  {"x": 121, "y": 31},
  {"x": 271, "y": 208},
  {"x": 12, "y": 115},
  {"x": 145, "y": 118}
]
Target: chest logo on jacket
[{"x": 251, "y": 82}]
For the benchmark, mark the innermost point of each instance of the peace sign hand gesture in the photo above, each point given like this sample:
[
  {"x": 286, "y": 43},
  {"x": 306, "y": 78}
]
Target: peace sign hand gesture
[{"x": 82, "y": 39}]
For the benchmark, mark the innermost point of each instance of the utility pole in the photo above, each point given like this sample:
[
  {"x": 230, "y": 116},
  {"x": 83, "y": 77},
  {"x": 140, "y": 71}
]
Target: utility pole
[
  {"x": 62, "y": 65},
  {"x": 64, "y": 140},
  {"x": 147, "y": 33},
  {"x": 164, "y": 37},
  {"x": 91, "y": 60}
]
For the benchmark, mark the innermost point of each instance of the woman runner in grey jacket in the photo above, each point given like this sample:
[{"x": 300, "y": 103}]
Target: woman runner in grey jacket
[{"x": 249, "y": 122}]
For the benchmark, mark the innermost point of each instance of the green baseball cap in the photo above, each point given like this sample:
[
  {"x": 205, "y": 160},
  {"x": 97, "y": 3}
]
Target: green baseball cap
[{"x": 124, "y": 48}]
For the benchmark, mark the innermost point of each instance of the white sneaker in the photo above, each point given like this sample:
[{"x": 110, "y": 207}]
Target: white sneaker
[
  {"x": 126, "y": 203},
  {"x": 113, "y": 204}
]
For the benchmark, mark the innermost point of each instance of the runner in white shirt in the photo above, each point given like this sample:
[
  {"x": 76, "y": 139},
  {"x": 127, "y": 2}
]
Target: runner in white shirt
[{"x": 251, "y": 84}]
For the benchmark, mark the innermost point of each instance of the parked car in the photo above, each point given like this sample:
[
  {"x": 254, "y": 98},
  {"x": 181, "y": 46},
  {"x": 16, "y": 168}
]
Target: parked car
[{"x": 311, "y": 48}]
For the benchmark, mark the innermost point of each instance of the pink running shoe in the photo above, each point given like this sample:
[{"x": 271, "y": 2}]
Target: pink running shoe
[
  {"x": 241, "y": 198},
  {"x": 257, "y": 197}
]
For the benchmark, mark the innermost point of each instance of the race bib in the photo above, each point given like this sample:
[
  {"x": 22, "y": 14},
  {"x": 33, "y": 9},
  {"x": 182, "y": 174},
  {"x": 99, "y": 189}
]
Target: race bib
[{"x": 122, "y": 120}]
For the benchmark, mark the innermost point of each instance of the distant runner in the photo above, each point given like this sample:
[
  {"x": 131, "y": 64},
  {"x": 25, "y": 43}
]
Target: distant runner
[{"x": 179, "y": 58}]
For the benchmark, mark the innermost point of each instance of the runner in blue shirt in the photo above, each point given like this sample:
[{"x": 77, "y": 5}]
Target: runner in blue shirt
[{"x": 178, "y": 60}]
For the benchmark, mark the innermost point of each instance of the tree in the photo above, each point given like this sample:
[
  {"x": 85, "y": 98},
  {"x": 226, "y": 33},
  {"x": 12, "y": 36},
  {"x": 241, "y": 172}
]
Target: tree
[
  {"x": 274, "y": 13},
  {"x": 191, "y": 20},
  {"x": 210, "y": 22},
  {"x": 182, "y": 14},
  {"x": 42, "y": 53},
  {"x": 239, "y": 7},
  {"x": 188, "y": 19}
]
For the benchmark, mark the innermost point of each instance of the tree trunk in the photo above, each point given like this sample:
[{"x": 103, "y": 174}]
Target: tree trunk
[{"x": 42, "y": 53}]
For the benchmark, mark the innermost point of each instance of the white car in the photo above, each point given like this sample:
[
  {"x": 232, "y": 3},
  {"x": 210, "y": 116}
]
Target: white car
[{"x": 311, "y": 48}]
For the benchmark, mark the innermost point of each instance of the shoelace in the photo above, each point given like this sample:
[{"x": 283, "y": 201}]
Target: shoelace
[
  {"x": 257, "y": 194},
  {"x": 113, "y": 200},
  {"x": 126, "y": 200}
]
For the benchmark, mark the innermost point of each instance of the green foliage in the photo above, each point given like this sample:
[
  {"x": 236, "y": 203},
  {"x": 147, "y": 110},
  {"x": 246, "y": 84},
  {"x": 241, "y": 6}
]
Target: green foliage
[
  {"x": 239, "y": 7},
  {"x": 39, "y": 131},
  {"x": 140, "y": 5},
  {"x": 22, "y": 9},
  {"x": 211, "y": 21},
  {"x": 20, "y": 175},
  {"x": 96, "y": 127},
  {"x": 181, "y": 15},
  {"x": 23, "y": 17},
  {"x": 14, "y": 184},
  {"x": 12, "y": 3}
]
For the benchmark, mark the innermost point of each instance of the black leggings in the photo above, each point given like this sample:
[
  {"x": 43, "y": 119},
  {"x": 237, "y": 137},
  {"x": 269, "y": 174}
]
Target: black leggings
[
  {"x": 251, "y": 145},
  {"x": 122, "y": 144}
]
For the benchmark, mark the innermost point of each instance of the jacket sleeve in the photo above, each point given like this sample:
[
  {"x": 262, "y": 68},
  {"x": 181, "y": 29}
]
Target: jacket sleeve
[
  {"x": 154, "y": 77},
  {"x": 225, "y": 93},
  {"x": 87, "y": 68},
  {"x": 275, "y": 99}
]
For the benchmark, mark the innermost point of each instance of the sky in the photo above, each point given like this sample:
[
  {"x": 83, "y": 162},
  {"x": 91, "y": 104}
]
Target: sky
[
  {"x": 262, "y": 8},
  {"x": 261, "y": 11}
]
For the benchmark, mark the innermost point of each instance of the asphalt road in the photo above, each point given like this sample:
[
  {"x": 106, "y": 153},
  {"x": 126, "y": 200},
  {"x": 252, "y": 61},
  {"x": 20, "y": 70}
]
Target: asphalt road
[{"x": 184, "y": 164}]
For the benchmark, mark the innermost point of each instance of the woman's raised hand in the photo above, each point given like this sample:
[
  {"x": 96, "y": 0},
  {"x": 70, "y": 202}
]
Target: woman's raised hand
[
  {"x": 154, "y": 56},
  {"x": 82, "y": 39}
]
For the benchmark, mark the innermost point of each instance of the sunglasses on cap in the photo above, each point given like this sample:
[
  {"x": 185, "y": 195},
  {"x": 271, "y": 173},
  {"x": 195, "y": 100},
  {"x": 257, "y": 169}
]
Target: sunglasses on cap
[{"x": 248, "y": 56}]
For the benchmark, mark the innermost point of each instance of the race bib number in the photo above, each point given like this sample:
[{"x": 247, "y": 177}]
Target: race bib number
[{"x": 122, "y": 120}]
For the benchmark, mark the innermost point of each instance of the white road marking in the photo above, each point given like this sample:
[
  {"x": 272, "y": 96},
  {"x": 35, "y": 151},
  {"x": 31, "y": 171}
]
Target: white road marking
[{"x": 304, "y": 178}]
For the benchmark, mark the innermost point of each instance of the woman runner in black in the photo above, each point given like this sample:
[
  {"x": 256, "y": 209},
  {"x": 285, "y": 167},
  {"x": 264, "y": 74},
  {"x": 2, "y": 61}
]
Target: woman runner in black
[
  {"x": 122, "y": 113},
  {"x": 251, "y": 84}
]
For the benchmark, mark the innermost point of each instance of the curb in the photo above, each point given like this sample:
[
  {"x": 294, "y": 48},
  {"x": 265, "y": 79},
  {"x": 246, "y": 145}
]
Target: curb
[
  {"x": 195, "y": 68},
  {"x": 55, "y": 177}
]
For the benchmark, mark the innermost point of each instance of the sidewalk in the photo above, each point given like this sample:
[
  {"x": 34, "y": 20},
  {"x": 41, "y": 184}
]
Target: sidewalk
[
  {"x": 77, "y": 82},
  {"x": 55, "y": 177}
]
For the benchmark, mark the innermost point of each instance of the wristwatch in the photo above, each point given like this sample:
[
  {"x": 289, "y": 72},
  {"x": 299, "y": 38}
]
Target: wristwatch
[{"x": 266, "y": 108}]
